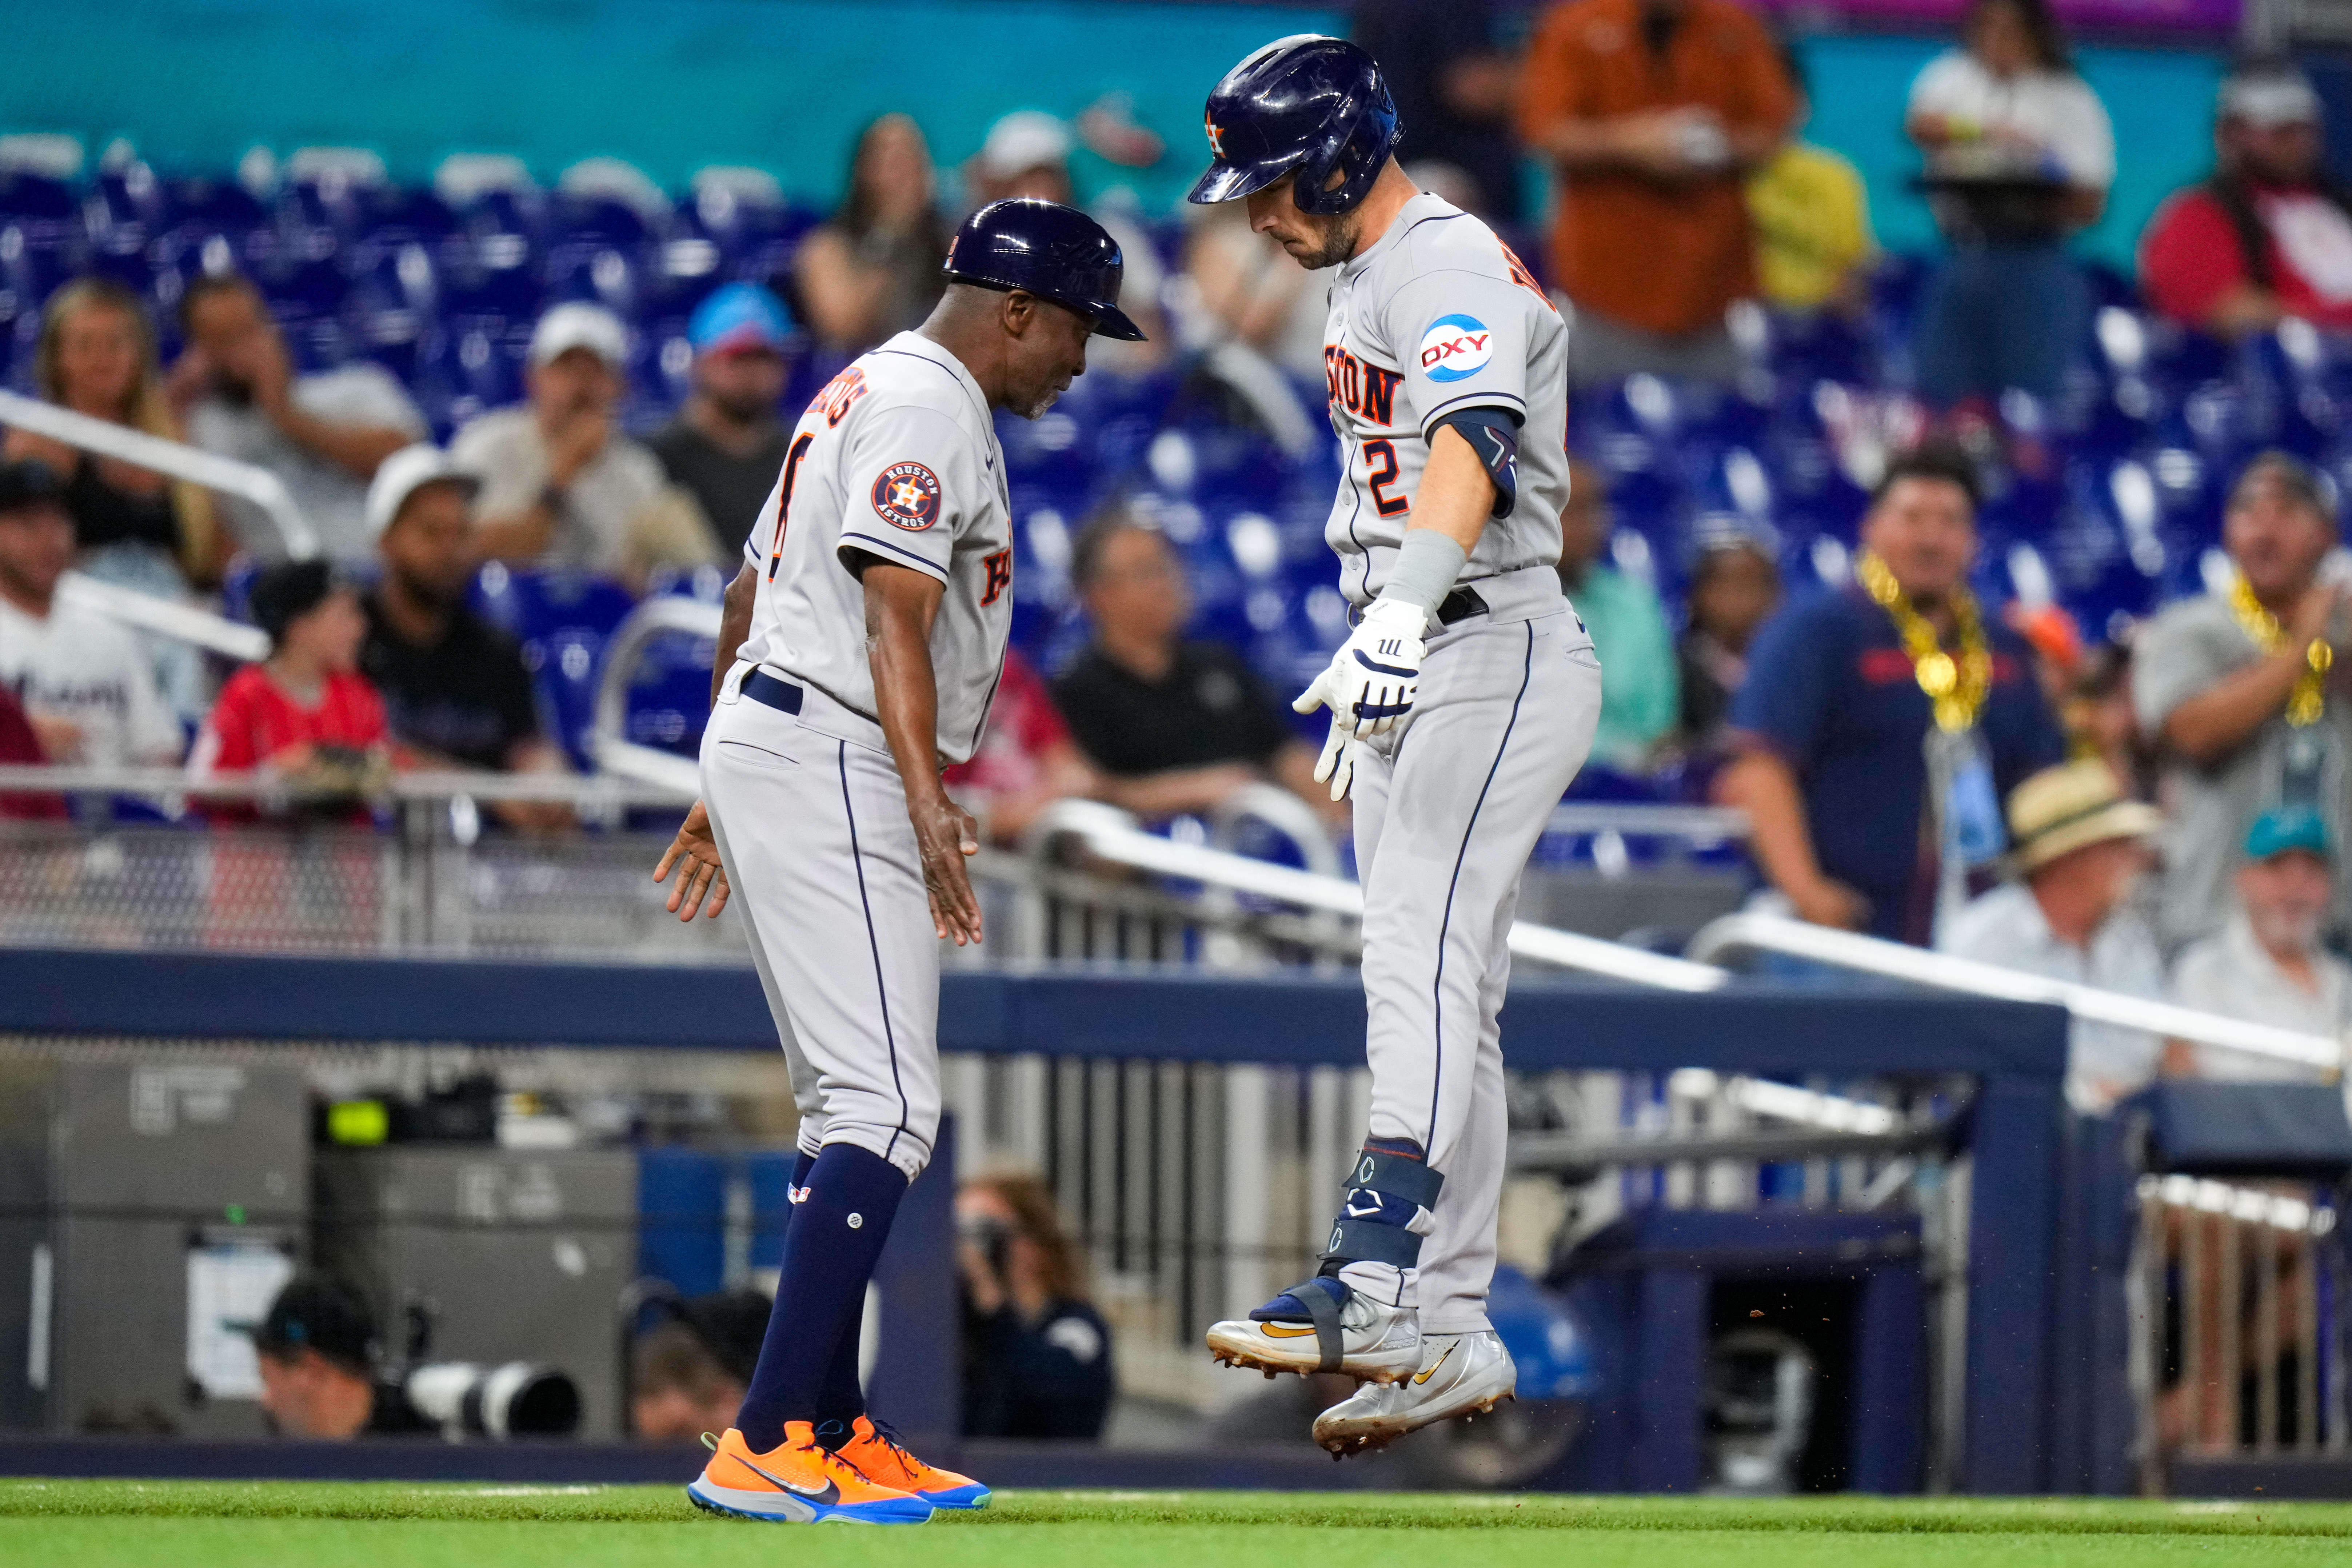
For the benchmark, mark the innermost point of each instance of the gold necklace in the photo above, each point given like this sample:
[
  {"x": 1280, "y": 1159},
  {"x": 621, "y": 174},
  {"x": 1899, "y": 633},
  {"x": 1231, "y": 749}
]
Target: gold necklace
[
  {"x": 2308, "y": 701},
  {"x": 1957, "y": 685}
]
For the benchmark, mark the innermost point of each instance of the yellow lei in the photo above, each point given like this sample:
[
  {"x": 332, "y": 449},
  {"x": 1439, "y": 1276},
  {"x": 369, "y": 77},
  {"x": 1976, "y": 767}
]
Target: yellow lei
[
  {"x": 1957, "y": 685},
  {"x": 2308, "y": 701}
]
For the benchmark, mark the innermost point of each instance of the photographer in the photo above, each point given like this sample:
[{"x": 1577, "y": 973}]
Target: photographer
[
  {"x": 1036, "y": 1356},
  {"x": 687, "y": 1373},
  {"x": 318, "y": 1350}
]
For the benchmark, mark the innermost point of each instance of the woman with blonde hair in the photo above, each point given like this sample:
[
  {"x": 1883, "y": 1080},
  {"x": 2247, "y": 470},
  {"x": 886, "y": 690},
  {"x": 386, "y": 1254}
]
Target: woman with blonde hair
[
  {"x": 97, "y": 356},
  {"x": 132, "y": 526}
]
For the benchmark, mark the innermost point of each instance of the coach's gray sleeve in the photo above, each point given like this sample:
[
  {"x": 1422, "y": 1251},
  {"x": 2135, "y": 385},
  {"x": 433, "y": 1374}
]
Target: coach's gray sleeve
[
  {"x": 1462, "y": 340},
  {"x": 908, "y": 475}
]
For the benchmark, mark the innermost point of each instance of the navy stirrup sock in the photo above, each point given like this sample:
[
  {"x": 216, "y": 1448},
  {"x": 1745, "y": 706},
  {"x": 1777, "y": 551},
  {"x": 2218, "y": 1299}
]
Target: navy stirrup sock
[{"x": 831, "y": 1243}]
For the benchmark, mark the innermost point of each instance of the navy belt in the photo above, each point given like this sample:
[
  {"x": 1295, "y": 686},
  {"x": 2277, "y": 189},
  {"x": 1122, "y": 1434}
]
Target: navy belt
[
  {"x": 781, "y": 695},
  {"x": 1460, "y": 605}
]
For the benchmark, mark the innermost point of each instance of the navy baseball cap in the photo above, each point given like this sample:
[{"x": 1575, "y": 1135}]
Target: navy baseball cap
[
  {"x": 1044, "y": 248},
  {"x": 739, "y": 316},
  {"x": 315, "y": 1312}
]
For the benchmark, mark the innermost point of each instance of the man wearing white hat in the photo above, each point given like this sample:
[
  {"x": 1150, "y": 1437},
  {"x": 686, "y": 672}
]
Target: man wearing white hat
[
  {"x": 454, "y": 685},
  {"x": 2270, "y": 234},
  {"x": 2079, "y": 848},
  {"x": 562, "y": 484}
]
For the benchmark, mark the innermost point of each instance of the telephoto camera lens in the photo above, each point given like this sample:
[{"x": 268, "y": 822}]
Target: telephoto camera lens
[{"x": 517, "y": 1399}]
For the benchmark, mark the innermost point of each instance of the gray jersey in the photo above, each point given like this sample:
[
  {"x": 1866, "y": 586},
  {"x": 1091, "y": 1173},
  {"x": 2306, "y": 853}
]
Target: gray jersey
[
  {"x": 897, "y": 458},
  {"x": 1437, "y": 318}
]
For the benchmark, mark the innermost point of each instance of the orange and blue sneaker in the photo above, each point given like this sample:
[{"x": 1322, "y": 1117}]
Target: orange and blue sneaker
[
  {"x": 797, "y": 1482},
  {"x": 876, "y": 1452}
]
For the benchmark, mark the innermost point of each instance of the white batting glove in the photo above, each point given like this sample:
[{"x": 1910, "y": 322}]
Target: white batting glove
[
  {"x": 1336, "y": 765},
  {"x": 1373, "y": 678}
]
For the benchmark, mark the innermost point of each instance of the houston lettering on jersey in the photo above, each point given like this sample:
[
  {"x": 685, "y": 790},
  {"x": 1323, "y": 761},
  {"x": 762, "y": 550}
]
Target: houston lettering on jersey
[{"x": 1360, "y": 387}]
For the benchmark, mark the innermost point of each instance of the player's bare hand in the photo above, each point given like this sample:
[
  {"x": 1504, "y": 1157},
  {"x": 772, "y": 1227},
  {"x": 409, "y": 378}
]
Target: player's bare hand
[
  {"x": 947, "y": 834},
  {"x": 701, "y": 876}
]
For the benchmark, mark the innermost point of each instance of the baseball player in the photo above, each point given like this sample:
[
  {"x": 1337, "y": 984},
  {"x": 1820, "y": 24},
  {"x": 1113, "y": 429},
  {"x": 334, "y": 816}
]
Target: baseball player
[
  {"x": 1461, "y": 707},
  {"x": 861, "y": 644}
]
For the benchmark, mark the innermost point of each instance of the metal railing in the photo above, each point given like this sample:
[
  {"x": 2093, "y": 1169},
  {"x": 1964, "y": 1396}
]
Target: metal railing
[
  {"x": 1896, "y": 961},
  {"x": 179, "y": 461},
  {"x": 2236, "y": 1301}
]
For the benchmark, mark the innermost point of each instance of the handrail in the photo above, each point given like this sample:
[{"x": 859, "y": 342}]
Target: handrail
[
  {"x": 177, "y": 458},
  {"x": 592, "y": 789},
  {"x": 1871, "y": 955},
  {"x": 1112, "y": 834},
  {"x": 662, "y": 613},
  {"x": 1703, "y": 824},
  {"x": 183, "y": 623}
]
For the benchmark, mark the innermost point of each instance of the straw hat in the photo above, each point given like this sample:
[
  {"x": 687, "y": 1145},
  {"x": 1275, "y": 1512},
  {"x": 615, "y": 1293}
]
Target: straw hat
[{"x": 2060, "y": 810}]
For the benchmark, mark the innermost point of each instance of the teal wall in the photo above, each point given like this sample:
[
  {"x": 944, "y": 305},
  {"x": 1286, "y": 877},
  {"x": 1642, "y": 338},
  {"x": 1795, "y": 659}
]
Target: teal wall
[
  {"x": 784, "y": 84},
  {"x": 670, "y": 85},
  {"x": 2161, "y": 102}
]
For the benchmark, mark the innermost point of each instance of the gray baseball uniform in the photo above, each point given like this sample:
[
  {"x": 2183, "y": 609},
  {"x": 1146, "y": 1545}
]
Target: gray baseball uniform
[
  {"x": 897, "y": 458},
  {"x": 1436, "y": 317}
]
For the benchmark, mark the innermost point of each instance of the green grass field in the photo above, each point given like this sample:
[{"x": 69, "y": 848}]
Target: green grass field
[{"x": 177, "y": 1524}]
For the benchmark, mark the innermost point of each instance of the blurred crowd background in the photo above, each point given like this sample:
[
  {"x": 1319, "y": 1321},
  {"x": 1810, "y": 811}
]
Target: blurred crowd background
[{"x": 2040, "y": 358}]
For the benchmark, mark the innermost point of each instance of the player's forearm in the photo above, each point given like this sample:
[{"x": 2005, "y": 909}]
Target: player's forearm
[
  {"x": 734, "y": 625},
  {"x": 1456, "y": 496},
  {"x": 898, "y": 616}
]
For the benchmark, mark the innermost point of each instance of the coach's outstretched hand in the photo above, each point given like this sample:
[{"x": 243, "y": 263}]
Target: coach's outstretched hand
[
  {"x": 701, "y": 876},
  {"x": 947, "y": 834}
]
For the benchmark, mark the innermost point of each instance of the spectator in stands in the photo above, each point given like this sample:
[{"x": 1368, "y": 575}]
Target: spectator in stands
[
  {"x": 726, "y": 446},
  {"x": 1174, "y": 726},
  {"x": 455, "y": 690},
  {"x": 86, "y": 686},
  {"x": 1240, "y": 287},
  {"x": 2021, "y": 154},
  {"x": 1454, "y": 73},
  {"x": 132, "y": 525},
  {"x": 688, "y": 1373},
  {"x": 2098, "y": 719},
  {"x": 1653, "y": 112},
  {"x": 1811, "y": 216},
  {"x": 322, "y": 433},
  {"x": 1037, "y": 1354},
  {"x": 2270, "y": 234},
  {"x": 2079, "y": 846},
  {"x": 562, "y": 484},
  {"x": 305, "y": 716},
  {"x": 1854, "y": 777},
  {"x": 873, "y": 269},
  {"x": 1734, "y": 586},
  {"x": 1027, "y": 153},
  {"x": 1639, "y": 695},
  {"x": 319, "y": 1352},
  {"x": 2242, "y": 691},
  {"x": 1026, "y": 760},
  {"x": 20, "y": 747},
  {"x": 2269, "y": 964}
]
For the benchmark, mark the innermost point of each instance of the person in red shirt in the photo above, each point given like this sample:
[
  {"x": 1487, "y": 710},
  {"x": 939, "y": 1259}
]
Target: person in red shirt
[
  {"x": 1026, "y": 761},
  {"x": 305, "y": 715},
  {"x": 21, "y": 747},
  {"x": 2270, "y": 234}
]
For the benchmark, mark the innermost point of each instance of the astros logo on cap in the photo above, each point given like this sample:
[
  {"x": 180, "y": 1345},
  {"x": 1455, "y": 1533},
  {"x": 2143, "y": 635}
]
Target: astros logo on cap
[
  {"x": 1216, "y": 147},
  {"x": 907, "y": 495}
]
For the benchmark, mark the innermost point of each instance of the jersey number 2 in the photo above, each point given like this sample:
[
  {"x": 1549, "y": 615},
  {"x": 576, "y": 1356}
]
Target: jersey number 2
[
  {"x": 1380, "y": 466},
  {"x": 784, "y": 501}
]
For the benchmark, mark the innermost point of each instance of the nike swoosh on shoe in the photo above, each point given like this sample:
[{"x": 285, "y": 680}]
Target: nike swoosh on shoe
[{"x": 828, "y": 1493}]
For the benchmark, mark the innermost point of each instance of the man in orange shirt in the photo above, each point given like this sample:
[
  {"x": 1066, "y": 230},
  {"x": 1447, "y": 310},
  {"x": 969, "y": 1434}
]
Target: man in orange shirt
[{"x": 1651, "y": 114}]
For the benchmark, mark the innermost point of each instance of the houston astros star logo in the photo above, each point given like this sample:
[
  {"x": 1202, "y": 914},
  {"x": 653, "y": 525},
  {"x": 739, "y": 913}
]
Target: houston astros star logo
[
  {"x": 1216, "y": 145},
  {"x": 907, "y": 495}
]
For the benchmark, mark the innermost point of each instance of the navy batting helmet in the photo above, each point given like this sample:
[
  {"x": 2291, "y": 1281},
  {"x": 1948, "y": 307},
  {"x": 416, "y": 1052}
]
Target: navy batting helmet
[
  {"x": 1044, "y": 248},
  {"x": 1307, "y": 103}
]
